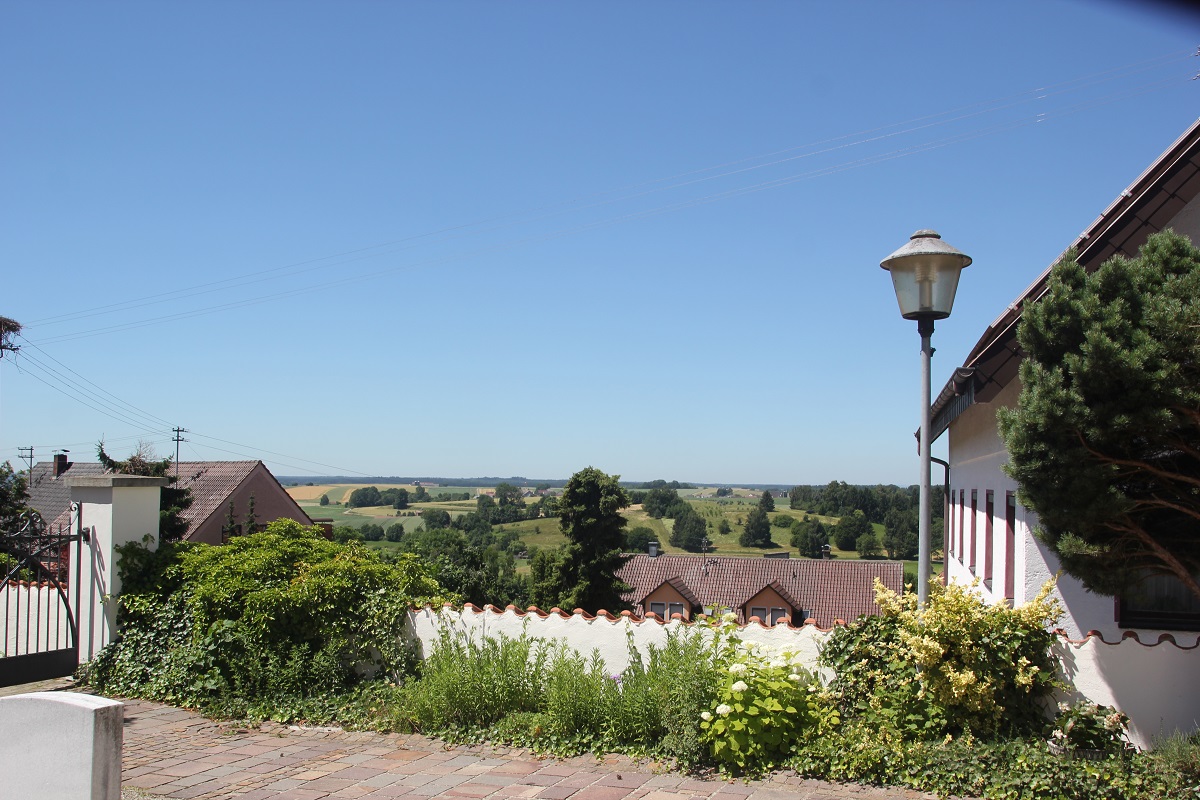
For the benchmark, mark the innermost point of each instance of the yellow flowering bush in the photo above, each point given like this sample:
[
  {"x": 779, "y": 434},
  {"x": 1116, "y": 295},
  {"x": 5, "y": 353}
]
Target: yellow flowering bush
[{"x": 960, "y": 665}]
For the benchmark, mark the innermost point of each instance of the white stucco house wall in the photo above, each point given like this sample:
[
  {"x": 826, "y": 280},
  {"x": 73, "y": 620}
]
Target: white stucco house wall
[{"x": 989, "y": 536}]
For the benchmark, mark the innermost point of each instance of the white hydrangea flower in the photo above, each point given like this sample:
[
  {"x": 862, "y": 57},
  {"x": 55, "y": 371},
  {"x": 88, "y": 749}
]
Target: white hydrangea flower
[
  {"x": 737, "y": 668},
  {"x": 1064, "y": 707},
  {"x": 706, "y": 716},
  {"x": 795, "y": 676},
  {"x": 729, "y": 616},
  {"x": 724, "y": 709},
  {"x": 778, "y": 663},
  {"x": 740, "y": 686}
]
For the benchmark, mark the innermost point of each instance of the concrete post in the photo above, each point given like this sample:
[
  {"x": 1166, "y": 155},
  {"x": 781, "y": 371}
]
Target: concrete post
[
  {"x": 117, "y": 509},
  {"x": 61, "y": 746}
]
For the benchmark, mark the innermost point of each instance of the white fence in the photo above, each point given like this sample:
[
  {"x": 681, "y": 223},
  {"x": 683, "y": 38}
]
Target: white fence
[
  {"x": 1154, "y": 683},
  {"x": 35, "y": 618}
]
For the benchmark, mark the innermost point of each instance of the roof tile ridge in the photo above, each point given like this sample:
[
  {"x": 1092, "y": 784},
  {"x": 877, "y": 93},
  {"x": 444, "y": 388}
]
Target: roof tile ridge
[{"x": 538, "y": 611}]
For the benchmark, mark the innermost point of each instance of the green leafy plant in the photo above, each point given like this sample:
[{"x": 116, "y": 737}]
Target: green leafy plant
[
  {"x": 959, "y": 665},
  {"x": 251, "y": 626},
  {"x": 764, "y": 704},
  {"x": 1084, "y": 725}
]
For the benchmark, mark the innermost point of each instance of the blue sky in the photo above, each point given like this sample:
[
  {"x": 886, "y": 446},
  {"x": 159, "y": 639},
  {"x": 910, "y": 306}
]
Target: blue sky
[{"x": 523, "y": 238}]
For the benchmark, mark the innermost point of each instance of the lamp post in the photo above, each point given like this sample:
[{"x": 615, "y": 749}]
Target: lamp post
[{"x": 925, "y": 275}]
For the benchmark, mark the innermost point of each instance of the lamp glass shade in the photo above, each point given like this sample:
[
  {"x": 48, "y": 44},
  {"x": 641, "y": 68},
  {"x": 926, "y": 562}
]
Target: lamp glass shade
[{"x": 925, "y": 275}]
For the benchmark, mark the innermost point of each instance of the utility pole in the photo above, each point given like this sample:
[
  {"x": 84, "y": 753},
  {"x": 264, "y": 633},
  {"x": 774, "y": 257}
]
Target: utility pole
[
  {"x": 178, "y": 438},
  {"x": 27, "y": 454}
]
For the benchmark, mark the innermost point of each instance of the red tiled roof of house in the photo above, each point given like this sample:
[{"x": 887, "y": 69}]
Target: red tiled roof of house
[
  {"x": 211, "y": 483},
  {"x": 826, "y": 590}
]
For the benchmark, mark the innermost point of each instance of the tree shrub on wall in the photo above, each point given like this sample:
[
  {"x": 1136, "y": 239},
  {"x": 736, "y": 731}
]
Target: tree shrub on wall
[
  {"x": 960, "y": 666},
  {"x": 272, "y": 615},
  {"x": 1105, "y": 438}
]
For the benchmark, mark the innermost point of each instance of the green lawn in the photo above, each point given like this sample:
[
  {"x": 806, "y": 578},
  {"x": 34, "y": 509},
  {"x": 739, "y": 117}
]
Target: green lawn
[{"x": 545, "y": 533}]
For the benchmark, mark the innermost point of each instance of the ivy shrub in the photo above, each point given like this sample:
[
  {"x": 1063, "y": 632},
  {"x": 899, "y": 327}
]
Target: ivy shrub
[
  {"x": 1005, "y": 769},
  {"x": 959, "y": 666},
  {"x": 250, "y": 627}
]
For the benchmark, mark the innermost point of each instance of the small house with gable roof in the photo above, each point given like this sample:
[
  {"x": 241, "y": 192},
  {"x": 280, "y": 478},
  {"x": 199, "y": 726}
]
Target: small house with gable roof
[
  {"x": 214, "y": 485},
  {"x": 774, "y": 590}
]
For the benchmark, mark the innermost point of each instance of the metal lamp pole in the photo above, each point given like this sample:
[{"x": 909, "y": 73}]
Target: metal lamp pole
[{"x": 925, "y": 276}]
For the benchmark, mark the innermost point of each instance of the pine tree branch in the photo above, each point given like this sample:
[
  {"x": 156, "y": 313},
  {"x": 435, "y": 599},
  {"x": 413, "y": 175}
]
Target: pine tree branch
[
  {"x": 1174, "y": 565},
  {"x": 1138, "y": 465}
]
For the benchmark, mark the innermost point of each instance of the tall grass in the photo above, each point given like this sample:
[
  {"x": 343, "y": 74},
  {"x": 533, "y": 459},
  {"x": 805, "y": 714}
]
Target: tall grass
[{"x": 545, "y": 695}]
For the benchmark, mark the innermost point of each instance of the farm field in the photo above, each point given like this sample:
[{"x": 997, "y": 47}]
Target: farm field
[{"x": 545, "y": 533}]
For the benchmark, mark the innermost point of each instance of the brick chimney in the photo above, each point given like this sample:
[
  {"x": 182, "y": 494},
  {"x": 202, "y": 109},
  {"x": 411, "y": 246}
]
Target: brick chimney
[{"x": 61, "y": 464}]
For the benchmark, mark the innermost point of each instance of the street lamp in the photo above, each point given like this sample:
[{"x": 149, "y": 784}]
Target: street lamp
[{"x": 925, "y": 275}]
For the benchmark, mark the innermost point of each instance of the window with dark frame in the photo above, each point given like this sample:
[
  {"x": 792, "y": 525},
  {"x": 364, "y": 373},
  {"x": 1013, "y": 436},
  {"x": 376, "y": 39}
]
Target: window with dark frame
[{"x": 1159, "y": 601}]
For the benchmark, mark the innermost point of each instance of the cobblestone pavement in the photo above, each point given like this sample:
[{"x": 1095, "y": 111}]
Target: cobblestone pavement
[{"x": 175, "y": 753}]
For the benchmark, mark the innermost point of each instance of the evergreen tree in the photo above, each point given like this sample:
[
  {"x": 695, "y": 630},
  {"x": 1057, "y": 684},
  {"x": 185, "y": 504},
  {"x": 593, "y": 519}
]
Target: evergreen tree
[
  {"x": 251, "y": 517},
  {"x": 1105, "y": 438},
  {"x": 757, "y": 531},
  {"x": 689, "y": 531},
  {"x": 766, "y": 502},
  {"x": 590, "y": 518},
  {"x": 324, "y": 500},
  {"x": 172, "y": 502},
  {"x": 230, "y": 528}
]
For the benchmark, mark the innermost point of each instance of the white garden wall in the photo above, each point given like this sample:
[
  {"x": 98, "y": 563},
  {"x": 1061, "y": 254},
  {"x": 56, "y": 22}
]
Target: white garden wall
[
  {"x": 610, "y": 635},
  {"x": 1154, "y": 683}
]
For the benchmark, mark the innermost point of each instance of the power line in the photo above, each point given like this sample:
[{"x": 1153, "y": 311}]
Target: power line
[
  {"x": 337, "y": 470},
  {"x": 99, "y": 409}
]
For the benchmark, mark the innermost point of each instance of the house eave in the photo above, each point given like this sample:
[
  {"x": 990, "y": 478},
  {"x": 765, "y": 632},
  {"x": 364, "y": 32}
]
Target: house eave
[{"x": 1143, "y": 208}]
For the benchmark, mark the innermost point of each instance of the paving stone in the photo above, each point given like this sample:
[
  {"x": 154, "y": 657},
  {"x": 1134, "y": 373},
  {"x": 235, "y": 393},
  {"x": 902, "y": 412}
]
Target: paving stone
[{"x": 174, "y": 753}]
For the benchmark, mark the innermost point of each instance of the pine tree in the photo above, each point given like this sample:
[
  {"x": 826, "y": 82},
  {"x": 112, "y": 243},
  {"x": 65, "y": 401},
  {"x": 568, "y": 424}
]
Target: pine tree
[
  {"x": 757, "y": 532},
  {"x": 1105, "y": 438},
  {"x": 590, "y": 517}
]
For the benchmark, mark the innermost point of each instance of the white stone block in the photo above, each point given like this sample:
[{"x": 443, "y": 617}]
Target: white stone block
[{"x": 61, "y": 746}]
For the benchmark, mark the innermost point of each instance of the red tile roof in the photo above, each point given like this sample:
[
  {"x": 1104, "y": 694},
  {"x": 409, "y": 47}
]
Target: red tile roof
[
  {"x": 211, "y": 484},
  {"x": 824, "y": 589}
]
